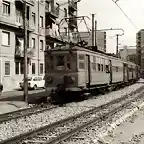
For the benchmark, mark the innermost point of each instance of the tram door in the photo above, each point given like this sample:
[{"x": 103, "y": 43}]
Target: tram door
[
  {"x": 88, "y": 71},
  {"x": 125, "y": 74},
  {"x": 0, "y": 71},
  {"x": 110, "y": 71}
]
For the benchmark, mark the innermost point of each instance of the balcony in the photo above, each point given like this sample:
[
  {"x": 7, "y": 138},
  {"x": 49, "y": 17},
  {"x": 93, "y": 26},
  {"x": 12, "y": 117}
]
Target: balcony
[
  {"x": 54, "y": 11},
  {"x": 30, "y": 2},
  {"x": 19, "y": 52},
  {"x": 20, "y": 21},
  {"x": 73, "y": 5},
  {"x": 52, "y": 33}
]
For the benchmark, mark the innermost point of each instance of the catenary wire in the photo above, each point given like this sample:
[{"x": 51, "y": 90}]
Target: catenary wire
[{"x": 125, "y": 14}]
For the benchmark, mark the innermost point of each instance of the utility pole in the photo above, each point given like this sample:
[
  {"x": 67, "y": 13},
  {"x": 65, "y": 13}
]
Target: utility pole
[
  {"x": 117, "y": 39},
  {"x": 25, "y": 54},
  {"x": 92, "y": 29},
  {"x": 95, "y": 33},
  {"x": 38, "y": 40}
]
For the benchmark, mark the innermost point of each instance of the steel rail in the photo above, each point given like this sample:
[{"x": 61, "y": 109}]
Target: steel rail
[
  {"x": 70, "y": 133},
  {"x": 24, "y": 112},
  {"x": 33, "y": 133}
]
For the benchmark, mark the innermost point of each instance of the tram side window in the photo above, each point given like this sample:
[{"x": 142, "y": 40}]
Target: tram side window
[
  {"x": 98, "y": 65},
  {"x": 93, "y": 63},
  {"x": 81, "y": 57},
  {"x": 68, "y": 62},
  {"x": 94, "y": 66},
  {"x": 106, "y": 68},
  {"x": 101, "y": 67},
  {"x": 81, "y": 61},
  {"x": 81, "y": 65},
  {"x": 116, "y": 69}
]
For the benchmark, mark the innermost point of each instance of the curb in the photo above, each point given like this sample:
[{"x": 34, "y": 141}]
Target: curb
[{"x": 118, "y": 122}]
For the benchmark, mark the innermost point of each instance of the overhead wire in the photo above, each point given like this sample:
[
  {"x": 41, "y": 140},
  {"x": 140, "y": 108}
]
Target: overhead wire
[{"x": 125, "y": 14}]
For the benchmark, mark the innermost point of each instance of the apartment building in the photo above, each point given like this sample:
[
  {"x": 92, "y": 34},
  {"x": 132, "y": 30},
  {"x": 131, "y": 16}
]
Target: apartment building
[
  {"x": 100, "y": 39},
  {"x": 140, "y": 48},
  {"x": 12, "y": 40},
  {"x": 128, "y": 54},
  {"x": 60, "y": 15},
  {"x": 43, "y": 20}
]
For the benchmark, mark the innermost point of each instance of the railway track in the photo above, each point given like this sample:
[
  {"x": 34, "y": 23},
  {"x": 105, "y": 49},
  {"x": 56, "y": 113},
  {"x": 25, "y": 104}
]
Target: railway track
[
  {"x": 25, "y": 112},
  {"x": 61, "y": 130}
]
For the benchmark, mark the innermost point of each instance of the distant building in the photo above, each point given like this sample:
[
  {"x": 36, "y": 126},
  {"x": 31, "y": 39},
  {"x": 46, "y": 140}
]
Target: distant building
[
  {"x": 140, "y": 48},
  {"x": 128, "y": 54},
  {"x": 101, "y": 39}
]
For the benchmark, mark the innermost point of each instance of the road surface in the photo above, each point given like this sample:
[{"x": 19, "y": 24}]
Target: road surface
[{"x": 34, "y": 95}]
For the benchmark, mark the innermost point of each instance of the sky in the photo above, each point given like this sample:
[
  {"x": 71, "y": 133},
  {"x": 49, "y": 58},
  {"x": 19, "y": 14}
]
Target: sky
[{"x": 108, "y": 15}]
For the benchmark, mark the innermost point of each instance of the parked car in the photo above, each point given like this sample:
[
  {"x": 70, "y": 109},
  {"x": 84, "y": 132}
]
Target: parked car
[
  {"x": 1, "y": 88},
  {"x": 34, "y": 82}
]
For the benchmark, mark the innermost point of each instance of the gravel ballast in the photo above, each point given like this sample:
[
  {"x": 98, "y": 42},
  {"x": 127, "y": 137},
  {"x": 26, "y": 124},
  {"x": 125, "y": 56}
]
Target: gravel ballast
[
  {"x": 95, "y": 134},
  {"x": 15, "y": 127},
  {"x": 102, "y": 99},
  {"x": 19, "y": 126}
]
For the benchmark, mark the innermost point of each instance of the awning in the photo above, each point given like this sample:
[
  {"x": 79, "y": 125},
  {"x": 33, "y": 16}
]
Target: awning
[{"x": 54, "y": 21}]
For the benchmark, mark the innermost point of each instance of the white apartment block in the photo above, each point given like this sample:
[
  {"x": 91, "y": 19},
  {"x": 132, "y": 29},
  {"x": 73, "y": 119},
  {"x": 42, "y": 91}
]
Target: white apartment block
[{"x": 42, "y": 20}]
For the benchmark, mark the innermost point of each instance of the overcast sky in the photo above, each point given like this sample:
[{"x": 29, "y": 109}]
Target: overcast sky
[{"x": 108, "y": 15}]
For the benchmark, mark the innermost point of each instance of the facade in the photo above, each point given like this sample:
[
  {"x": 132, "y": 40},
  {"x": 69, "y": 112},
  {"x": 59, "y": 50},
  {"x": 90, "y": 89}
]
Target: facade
[
  {"x": 140, "y": 48},
  {"x": 60, "y": 14},
  {"x": 12, "y": 41},
  {"x": 101, "y": 39},
  {"x": 43, "y": 18},
  {"x": 128, "y": 54}
]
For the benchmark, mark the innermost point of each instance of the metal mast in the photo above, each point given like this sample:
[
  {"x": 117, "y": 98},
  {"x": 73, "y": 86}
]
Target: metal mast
[{"x": 25, "y": 54}]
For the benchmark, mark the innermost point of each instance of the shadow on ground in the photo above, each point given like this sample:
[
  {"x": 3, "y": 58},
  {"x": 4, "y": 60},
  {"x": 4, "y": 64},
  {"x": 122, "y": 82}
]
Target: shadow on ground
[{"x": 33, "y": 98}]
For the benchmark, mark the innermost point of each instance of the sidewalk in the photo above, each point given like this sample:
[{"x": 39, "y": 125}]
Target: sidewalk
[{"x": 7, "y": 106}]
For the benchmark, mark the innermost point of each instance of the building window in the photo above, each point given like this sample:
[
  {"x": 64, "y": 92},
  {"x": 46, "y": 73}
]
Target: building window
[
  {"x": 16, "y": 67},
  {"x": 65, "y": 11},
  {"x": 33, "y": 43},
  {"x": 41, "y": 45},
  {"x": 19, "y": 18},
  {"x": 41, "y": 68},
  {"x": 7, "y": 68},
  {"x": 33, "y": 68},
  {"x": 41, "y": 21},
  {"x": 6, "y": 38},
  {"x": 6, "y": 8},
  {"x": 33, "y": 18}
]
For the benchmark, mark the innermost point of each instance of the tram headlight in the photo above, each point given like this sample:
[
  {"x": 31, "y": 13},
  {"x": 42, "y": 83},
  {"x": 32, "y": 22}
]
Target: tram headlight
[{"x": 69, "y": 79}]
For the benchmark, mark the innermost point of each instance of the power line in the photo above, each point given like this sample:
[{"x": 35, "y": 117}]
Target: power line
[{"x": 125, "y": 14}]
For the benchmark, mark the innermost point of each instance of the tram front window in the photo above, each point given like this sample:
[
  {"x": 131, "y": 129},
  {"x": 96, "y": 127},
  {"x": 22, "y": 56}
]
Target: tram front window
[{"x": 60, "y": 63}]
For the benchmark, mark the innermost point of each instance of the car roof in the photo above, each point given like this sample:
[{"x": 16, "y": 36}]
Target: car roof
[{"x": 35, "y": 76}]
